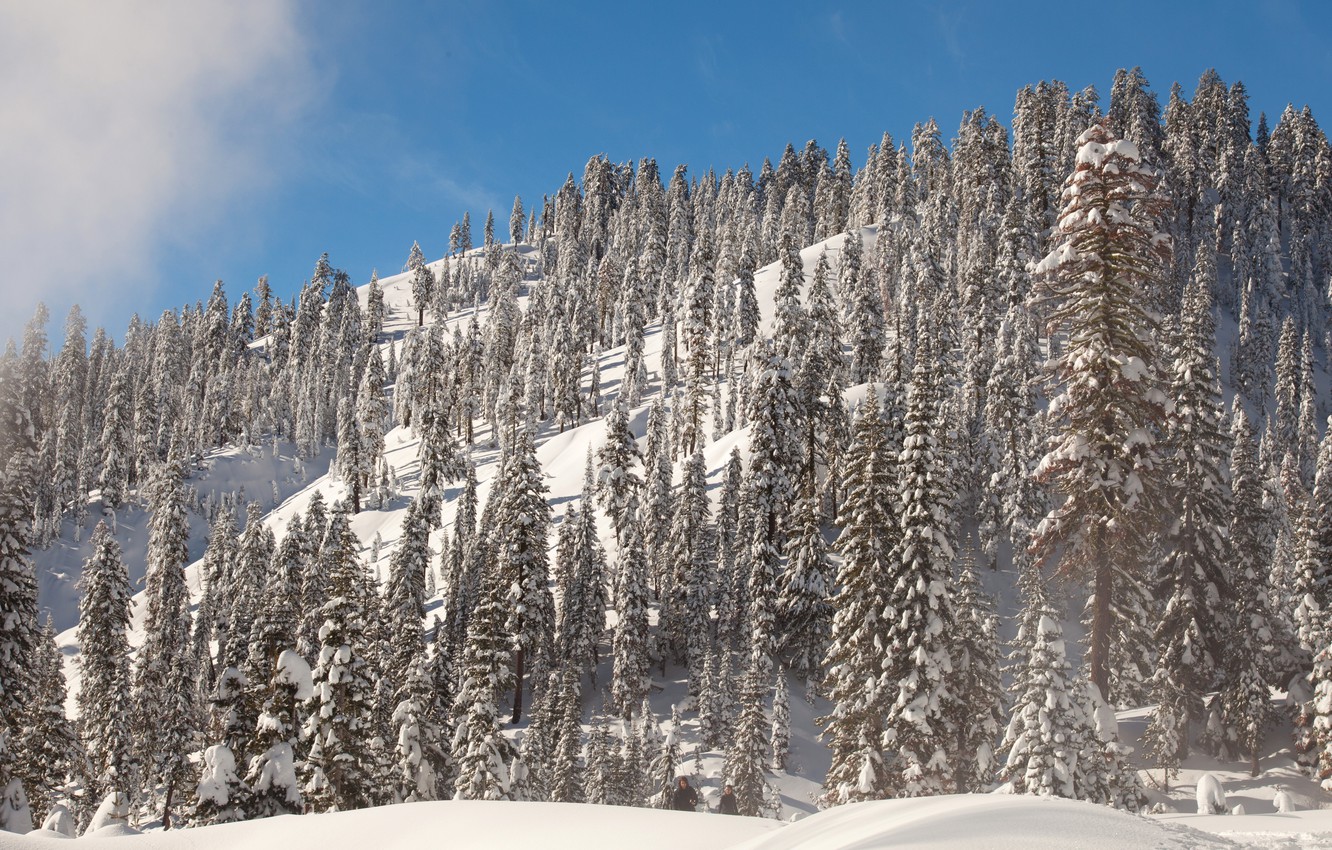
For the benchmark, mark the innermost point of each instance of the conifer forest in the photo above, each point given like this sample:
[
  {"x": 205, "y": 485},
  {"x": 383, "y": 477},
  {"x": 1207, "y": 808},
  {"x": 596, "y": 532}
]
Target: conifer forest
[{"x": 904, "y": 472}]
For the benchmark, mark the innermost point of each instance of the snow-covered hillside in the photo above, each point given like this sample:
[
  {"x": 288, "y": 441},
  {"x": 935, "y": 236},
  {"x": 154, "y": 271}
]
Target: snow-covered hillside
[{"x": 830, "y": 464}]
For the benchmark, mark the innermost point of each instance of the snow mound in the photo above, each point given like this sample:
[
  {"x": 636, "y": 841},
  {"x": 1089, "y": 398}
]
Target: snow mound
[
  {"x": 457, "y": 825},
  {"x": 994, "y": 822}
]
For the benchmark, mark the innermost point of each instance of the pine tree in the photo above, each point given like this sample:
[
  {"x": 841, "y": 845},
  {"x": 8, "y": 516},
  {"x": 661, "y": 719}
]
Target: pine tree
[
  {"x": 920, "y": 666},
  {"x": 274, "y": 628},
  {"x": 421, "y": 758},
  {"x": 104, "y": 618},
  {"x": 1192, "y": 633},
  {"x": 273, "y": 788},
  {"x": 50, "y": 754},
  {"x": 978, "y": 692},
  {"x": 870, "y": 532},
  {"x": 522, "y": 521},
  {"x": 629, "y": 683},
  {"x": 404, "y": 597},
  {"x": 162, "y": 690},
  {"x": 715, "y": 704},
  {"x": 1246, "y": 701},
  {"x": 566, "y": 771},
  {"x": 1042, "y": 742},
  {"x": 18, "y": 592},
  {"x": 423, "y": 282},
  {"x": 781, "y": 723},
  {"x": 804, "y": 614},
  {"x": 341, "y": 763},
  {"x": 618, "y": 484},
  {"x": 747, "y": 759},
  {"x": 1104, "y": 459},
  {"x": 481, "y": 753},
  {"x": 689, "y": 552}
]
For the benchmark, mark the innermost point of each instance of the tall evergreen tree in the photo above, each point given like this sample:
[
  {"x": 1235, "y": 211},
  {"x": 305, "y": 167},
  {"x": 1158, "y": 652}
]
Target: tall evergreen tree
[
  {"x": 162, "y": 690},
  {"x": 1246, "y": 700},
  {"x": 920, "y": 663},
  {"x": 342, "y": 762},
  {"x": 869, "y": 538},
  {"x": 1110, "y": 402},
  {"x": 1193, "y": 631},
  {"x": 522, "y": 522},
  {"x": 104, "y": 618}
]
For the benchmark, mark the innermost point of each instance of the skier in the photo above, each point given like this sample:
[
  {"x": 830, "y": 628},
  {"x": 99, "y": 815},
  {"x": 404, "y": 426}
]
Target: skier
[
  {"x": 728, "y": 806},
  {"x": 684, "y": 798}
]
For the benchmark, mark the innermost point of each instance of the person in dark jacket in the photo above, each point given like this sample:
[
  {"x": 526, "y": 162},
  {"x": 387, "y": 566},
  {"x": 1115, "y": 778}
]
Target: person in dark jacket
[
  {"x": 684, "y": 798},
  {"x": 728, "y": 806}
]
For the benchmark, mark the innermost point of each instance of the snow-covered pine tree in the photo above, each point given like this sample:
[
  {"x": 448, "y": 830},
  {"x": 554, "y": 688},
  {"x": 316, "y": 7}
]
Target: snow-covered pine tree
[
  {"x": 630, "y": 679},
  {"x": 863, "y": 309},
  {"x": 780, "y": 740},
  {"x": 1194, "y": 580},
  {"x": 423, "y": 282},
  {"x": 1246, "y": 700},
  {"x": 163, "y": 691},
  {"x": 804, "y": 614},
  {"x": 342, "y": 762},
  {"x": 271, "y": 783},
  {"x": 404, "y": 597},
  {"x": 618, "y": 482},
  {"x": 870, "y": 533},
  {"x": 274, "y": 628},
  {"x": 658, "y": 473},
  {"x": 920, "y": 665},
  {"x": 522, "y": 522},
  {"x": 1041, "y": 746},
  {"x": 747, "y": 760},
  {"x": 212, "y": 620},
  {"x": 481, "y": 753},
  {"x": 1016, "y": 503},
  {"x": 442, "y": 462},
  {"x": 689, "y": 548},
  {"x": 566, "y": 770},
  {"x": 49, "y": 753},
  {"x": 602, "y": 766},
  {"x": 977, "y": 689},
  {"x": 1096, "y": 285},
  {"x": 104, "y": 617},
  {"x": 422, "y": 762},
  {"x": 716, "y": 719},
  {"x": 696, "y": 330},
  {"x": 219, "y": 790},
  {"x": 18, "y": 591},
  {"x": 731, "y": 600}
]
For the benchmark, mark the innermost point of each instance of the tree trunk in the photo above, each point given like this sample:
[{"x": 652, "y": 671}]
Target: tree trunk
[
  {"x": 166, "y": 805},
  {"x": 519, "y": 656},
  {"x": 1101, "y": 621}
]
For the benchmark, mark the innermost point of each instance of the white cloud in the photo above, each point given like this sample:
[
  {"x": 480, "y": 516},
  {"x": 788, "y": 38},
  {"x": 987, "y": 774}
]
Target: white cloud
[{"x": 128, "y": 125}]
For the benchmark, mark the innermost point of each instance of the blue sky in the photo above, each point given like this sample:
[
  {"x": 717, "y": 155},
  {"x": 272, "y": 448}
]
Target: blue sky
[{"x": 246, "y": 139}]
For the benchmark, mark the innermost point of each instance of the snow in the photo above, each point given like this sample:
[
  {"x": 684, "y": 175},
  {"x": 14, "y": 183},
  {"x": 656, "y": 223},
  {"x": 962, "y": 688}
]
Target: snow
[
  {"x": 1211, "y": 796},
  {"x": 994, "y": 821},
  {"x": 293, "y": 670}
]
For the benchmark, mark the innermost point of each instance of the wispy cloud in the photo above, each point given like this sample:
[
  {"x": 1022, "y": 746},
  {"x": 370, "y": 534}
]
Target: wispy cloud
[{"x": 131, "y": 125}]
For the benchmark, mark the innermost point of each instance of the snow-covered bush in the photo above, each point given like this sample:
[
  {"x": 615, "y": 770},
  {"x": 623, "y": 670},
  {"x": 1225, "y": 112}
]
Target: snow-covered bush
[{"x": 1211, "y": 796}]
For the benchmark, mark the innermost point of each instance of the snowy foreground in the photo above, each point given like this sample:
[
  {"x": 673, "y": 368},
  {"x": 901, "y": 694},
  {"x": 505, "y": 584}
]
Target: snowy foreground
[{"x": 993, "y": 821}]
